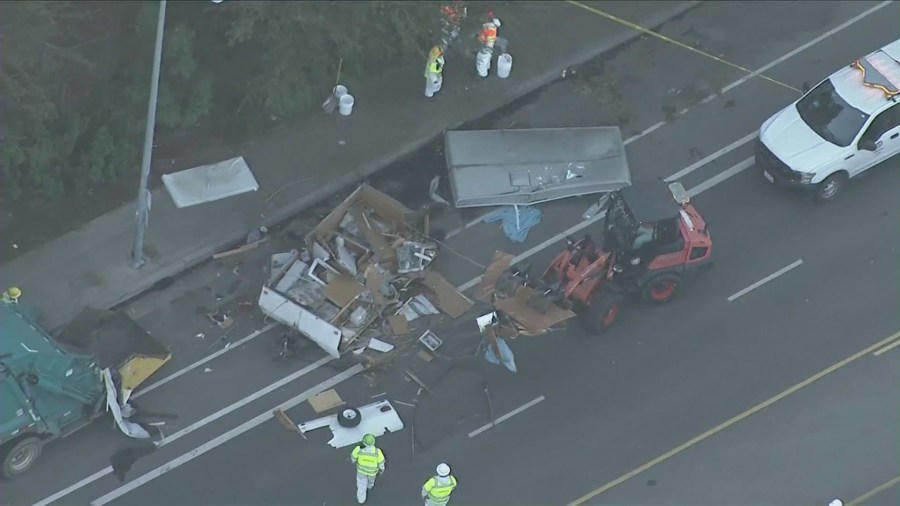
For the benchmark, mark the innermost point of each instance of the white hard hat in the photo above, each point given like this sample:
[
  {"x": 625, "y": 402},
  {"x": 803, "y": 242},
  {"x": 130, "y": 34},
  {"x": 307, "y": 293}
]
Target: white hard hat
[
  {"x": 836, "y": 502},
  {"x": 497, "y": 22},
  {"x": 443, "y": 470}
]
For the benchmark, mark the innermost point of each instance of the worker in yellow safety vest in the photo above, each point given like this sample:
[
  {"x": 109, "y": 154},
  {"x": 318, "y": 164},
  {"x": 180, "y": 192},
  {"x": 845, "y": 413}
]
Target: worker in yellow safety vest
[
  {"x": 11, "y": 295},
  {"x": 437, "y": 489},
  {"x": 434, "y": 70},
  {"x": 369, "y": 462}
]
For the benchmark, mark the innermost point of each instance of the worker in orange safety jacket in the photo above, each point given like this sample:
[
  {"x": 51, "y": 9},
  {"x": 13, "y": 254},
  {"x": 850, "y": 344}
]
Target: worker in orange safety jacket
[{"x": 487, "y": 38}]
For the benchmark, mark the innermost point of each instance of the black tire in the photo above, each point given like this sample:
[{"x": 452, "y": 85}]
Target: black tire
[
  {"x": 828, "y": 189},
  {"x": 602, "y": 313},
  {"x": 661, "y": 289},
  {"x": 349, "y": 417},
  {"x": 20, "y": 457}
]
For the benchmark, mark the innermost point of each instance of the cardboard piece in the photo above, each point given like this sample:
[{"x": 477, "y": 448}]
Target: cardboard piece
[
  {"x": 499, "y": 263},
  {"x": 343, "y": 290},
  {"x": 425, "y": 355},
  {"x": 449, "y": 299},
  {"x": 399, "y": 324},
  {"x": 533, "y": 321},
  {"x": 329, "y": 399}
]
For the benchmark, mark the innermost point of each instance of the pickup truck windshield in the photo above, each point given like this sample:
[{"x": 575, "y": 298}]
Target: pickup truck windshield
[{"x": 830, "y": 116}]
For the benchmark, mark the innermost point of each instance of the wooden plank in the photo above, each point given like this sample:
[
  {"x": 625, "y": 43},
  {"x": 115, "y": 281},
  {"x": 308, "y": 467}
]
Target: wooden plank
[{"x": 235, "y": 251}]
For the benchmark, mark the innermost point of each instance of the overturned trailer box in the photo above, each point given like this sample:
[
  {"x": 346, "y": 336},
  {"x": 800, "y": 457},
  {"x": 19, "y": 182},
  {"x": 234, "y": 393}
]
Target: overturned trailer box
[
  {"x": 528, "y": 166},
  {"x": 363, "y": 262}
]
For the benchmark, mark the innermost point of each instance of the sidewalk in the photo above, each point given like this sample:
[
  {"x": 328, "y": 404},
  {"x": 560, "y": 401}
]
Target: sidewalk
[{"x": 391, "y": 119}]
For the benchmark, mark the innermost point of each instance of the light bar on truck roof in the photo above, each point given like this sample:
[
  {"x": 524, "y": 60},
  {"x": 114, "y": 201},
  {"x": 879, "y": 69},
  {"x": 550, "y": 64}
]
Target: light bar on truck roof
[{"x": 872, "y": 78}]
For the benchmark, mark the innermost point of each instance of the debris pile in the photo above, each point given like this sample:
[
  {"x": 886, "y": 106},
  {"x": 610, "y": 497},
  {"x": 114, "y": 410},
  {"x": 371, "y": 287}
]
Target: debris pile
[{"x": 362, "y": 270}]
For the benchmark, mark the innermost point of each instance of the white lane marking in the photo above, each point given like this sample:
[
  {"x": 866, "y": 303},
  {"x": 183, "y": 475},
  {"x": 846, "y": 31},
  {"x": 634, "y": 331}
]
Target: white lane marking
[
  {"x": 154, "y": 386},
  {"x": 718, "y": 154},
  {"x": 765, "y": 280},
  {"x": 721, "y": 176},
  {"x": 887, "y": 348},
  {"x": 226, "y": 436},
  {"x": 820, "y": 38},
  {"x": 196, "y": 425},
  {"x": 506, "y": 417},
  {"x": 649, "y": 130},
  {"x": 762, "y": 69}
]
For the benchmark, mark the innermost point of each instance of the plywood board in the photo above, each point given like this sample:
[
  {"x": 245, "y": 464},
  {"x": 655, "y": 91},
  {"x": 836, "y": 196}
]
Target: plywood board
[
  {"x": 531, "y": 319},
  {"x": 499, "y": 263},
  {"x": 329, "y": 399},
  {"x": 449, "y": 299},
  {"x": 343, "y": 290},
  {"x": 399, "y": 324}
]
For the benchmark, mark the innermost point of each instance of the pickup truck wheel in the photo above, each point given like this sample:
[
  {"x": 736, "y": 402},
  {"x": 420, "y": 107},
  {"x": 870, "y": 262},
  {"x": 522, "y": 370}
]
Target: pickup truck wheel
[
  {"x": 829, "y": 188},
  {"x": 349, "y": 417},
  {"x": 21, "y": 456}
]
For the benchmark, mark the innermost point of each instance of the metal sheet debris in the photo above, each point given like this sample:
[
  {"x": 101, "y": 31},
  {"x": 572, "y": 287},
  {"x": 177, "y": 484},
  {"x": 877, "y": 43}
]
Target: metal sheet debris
[
  {"x": 377, "y": 419},
  {"x": 379, "y": 345},
  {"x": 527, "y": 166},
  {"x": 211, "y": 182}
]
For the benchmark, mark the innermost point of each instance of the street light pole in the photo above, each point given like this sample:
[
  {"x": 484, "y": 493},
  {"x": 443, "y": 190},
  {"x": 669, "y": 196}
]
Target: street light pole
[{"x": 143, "y": 210}]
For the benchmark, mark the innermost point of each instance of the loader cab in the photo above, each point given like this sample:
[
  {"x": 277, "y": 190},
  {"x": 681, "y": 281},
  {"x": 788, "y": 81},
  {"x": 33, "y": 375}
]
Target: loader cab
[{"x": 643, "y": 221}]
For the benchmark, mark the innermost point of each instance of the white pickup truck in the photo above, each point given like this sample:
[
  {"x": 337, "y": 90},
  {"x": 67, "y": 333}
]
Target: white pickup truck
[{"x": 838, "y": 129}]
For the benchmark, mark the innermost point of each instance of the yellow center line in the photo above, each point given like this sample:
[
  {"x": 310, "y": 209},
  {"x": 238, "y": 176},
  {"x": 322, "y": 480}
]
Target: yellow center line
[
  {"x": 887, "y": 348},
  {"x": 677, "y": 43},
  {"x": 732, "y": 421},
  {"x": 875, "y": 491}
]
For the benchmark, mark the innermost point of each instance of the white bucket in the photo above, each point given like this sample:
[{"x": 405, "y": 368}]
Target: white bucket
[
  {"x": 482, "y": 63},
  {"x": 339, "y": 91},
  {"x": 346, "y": 105},
  {"x": 504, "y": 66}
]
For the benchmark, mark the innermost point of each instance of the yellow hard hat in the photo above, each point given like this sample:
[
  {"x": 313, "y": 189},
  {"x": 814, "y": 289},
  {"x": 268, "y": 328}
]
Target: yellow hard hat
[{"x": 13, "y": 292}]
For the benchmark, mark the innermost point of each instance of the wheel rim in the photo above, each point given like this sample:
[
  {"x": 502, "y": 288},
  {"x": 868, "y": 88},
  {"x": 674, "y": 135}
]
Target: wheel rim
[
  {"x": 662, "y": 290},
  {"x": 610, "y": 315},
  {"x": 23, "y": 458},
  {"x": 830, "y": 188},
  {"x": 349, "y": 414}
]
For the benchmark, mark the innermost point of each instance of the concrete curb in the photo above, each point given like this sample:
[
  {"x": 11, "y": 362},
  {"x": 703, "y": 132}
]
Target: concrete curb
[{"x": 527, "y": 86}]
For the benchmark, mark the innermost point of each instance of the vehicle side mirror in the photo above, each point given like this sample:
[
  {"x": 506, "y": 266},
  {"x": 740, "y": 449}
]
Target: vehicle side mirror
[
  {"x": 867, "y": 144},
  {"x": 805, "y": 87}
]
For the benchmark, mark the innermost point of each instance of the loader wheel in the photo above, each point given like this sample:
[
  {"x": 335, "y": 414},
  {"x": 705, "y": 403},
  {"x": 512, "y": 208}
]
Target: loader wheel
[
  {"x": 662, "y": 288},
  {"x": 602, "y": 313},
  {"x": 21, "y": 456},
  {"x": 349, "y": 417}
]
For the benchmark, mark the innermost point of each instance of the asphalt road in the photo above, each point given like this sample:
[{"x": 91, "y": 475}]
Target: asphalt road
[{"x": 664, "y": 376}]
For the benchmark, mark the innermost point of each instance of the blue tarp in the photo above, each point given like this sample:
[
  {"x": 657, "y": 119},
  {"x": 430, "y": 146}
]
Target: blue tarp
[
  {"x": 506, "y": 355},
  {"x": 528, "y": 217}
]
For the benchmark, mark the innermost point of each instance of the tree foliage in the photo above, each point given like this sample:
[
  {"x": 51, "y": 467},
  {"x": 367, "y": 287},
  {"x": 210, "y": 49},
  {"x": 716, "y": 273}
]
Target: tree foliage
[{"x": 74, "y": 75}]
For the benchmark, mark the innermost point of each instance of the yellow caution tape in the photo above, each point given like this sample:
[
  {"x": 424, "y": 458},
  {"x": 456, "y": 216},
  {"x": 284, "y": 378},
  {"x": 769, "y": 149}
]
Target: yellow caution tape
[{"x": 677, "y": 43}]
